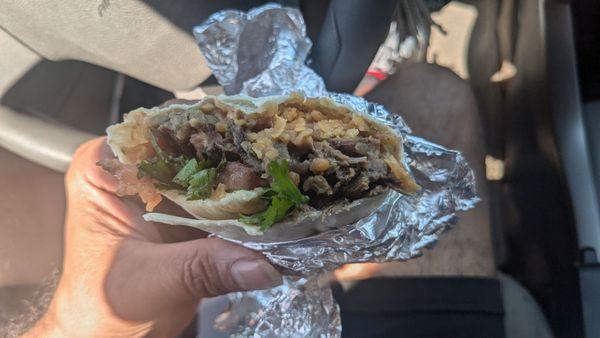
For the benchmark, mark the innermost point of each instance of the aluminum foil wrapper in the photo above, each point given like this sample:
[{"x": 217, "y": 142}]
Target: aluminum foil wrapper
[
  {"x": 259, "y": 53},
  {"x": 403, "y": 225},
  {"x": 301, "y": 307},
  {"x": 263, "y": 52}
]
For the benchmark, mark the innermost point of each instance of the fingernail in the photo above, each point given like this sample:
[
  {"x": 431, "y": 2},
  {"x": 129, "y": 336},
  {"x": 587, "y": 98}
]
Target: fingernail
[{"x": 255, "y": 275}]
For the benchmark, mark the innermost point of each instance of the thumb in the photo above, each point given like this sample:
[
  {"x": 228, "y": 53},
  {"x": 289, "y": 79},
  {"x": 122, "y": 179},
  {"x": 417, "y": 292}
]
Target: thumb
[
  {"x": 211, "y": 267},
  {"x": 150, "y": 276}
]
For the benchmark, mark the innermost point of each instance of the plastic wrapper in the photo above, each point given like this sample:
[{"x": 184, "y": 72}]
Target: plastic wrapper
[
  {"x": 263, "y": 52},
  {"x": 408, "y": 37}
]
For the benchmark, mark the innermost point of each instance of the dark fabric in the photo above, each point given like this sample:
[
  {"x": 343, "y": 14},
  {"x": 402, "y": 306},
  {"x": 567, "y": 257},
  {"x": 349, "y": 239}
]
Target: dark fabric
[{"x": 422, "y": 307}]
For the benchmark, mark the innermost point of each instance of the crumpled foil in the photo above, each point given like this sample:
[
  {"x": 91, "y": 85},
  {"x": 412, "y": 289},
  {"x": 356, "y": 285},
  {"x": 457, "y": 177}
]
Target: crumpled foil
[
  {"x": 263, "y": 52},
  {"x": 301, "y": 307},
  {"x": 259, "y": 53}
]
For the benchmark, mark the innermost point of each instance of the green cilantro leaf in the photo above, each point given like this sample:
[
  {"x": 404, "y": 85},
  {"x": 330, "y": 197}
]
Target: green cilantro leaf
[
  {"x": 158, "y": 170},
  {"x": 282, "y": 184},
  {"x": 162, "y": 170},
  {"x": 277, "y": 210},
  {"x": 252, "y": 219},
  {"x": 283, "y": 197},
  {"x": 184, "y": 175},
  {"x": 201, "y": 184}
]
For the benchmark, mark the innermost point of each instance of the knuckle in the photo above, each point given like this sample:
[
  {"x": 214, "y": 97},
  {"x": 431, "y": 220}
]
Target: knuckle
[
  {"x": 202, "y": 277},
  {"x": 79, "y": 156}
]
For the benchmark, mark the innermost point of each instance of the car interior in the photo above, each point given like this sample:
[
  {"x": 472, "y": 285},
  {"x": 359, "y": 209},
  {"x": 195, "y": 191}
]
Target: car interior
[{"x": 58, "y": 89}]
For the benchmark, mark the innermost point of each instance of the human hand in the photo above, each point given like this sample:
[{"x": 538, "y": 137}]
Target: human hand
[{"x": 123, "y": 276}]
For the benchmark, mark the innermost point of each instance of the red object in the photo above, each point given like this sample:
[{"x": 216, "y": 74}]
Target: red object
[{"x": 377, "y": 74}]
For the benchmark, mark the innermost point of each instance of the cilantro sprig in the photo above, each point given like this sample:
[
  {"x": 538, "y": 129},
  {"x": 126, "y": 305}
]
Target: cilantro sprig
[
  {"x": 283, "y": 197},
  {"x": 162, "y": 167},
  {"x": 200, "y": 185},
  {"x": 162, "y": 170},
  {"x": 196, "y": 178},
  {"x": 282, "y": 185}
]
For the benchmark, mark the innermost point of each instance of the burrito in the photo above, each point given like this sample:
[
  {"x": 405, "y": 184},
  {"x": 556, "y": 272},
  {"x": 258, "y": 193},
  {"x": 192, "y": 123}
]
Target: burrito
[{"x": 264, "y": 169}]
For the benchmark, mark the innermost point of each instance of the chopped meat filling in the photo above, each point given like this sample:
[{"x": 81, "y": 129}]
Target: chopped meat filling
[
  {"x": 238, "y": 176},
  {"x": 332, "y": 155},
  {"x": 205, "y": 143},
  {"x": 318, "y": 184},
  {"x": 360, "y": 146}
]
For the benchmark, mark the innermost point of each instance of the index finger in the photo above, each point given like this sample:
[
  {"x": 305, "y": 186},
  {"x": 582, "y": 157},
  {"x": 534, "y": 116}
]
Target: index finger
[{"x": 85, "y": 165}]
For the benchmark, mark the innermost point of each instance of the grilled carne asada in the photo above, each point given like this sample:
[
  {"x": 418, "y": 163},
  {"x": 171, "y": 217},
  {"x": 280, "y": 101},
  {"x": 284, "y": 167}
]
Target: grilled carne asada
[{"x": 271, "y": 157}]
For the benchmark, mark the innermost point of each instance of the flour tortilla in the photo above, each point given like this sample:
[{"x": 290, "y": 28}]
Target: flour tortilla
[
  {"x": 296, "y": 226},
  {"x": 129, "y": 142}
]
